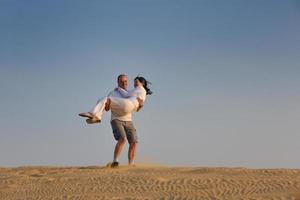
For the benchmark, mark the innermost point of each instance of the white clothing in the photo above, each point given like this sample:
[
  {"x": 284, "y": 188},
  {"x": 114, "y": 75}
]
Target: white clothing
[
  {"x": 98, "y": 109},
  {"x": 132, "y": 95},
  {"x": 115, "y": 107},
  {"x": 123, "y": 103},
  {"x": 139, "y": 92}
]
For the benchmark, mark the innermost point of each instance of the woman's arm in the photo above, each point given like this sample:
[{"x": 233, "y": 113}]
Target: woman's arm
[
  {"x": 141, "y": 104},
  {"x": 141, "y": 97}
]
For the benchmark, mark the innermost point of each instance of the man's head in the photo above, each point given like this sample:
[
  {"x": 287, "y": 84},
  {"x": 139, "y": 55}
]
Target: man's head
[{"x": 123, "y": 81}]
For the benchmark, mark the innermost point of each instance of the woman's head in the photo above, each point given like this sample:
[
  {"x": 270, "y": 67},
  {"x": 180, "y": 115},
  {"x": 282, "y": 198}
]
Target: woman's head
[{"x": 141, "y": 81}]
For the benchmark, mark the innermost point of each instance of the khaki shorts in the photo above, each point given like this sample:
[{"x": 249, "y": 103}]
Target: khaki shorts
[{"x": 124, "y": 129}]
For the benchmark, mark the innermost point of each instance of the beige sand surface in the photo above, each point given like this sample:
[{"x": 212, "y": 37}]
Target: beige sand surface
[{"x": 148, "y": 182}]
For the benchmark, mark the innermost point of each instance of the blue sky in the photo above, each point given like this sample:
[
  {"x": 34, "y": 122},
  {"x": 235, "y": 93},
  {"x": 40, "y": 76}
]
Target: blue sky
[{"x": 225, "y": 79}]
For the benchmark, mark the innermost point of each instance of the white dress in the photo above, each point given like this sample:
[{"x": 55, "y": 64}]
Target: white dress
[{"x": 122, "y": 106}]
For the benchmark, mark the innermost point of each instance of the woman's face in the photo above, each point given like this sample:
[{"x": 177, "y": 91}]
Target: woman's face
[{"x": 137, "y": 83}]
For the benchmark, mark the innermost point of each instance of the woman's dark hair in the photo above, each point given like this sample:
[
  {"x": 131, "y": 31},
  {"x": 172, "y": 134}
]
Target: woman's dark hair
[{"x": 145, "y": 84}]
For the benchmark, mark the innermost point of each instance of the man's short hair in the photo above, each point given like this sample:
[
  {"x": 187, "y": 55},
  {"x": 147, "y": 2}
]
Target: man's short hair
[{"x": 121, "y": 75}]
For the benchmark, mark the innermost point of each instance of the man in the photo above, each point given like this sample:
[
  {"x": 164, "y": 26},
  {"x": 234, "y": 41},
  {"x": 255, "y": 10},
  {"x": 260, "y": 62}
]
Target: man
[{"x": 122, "y": 126}]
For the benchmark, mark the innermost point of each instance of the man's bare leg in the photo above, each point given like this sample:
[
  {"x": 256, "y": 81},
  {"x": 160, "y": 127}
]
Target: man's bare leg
[
  {"x": 118, "y": 149},
  {"x": 131, "y": 153}
]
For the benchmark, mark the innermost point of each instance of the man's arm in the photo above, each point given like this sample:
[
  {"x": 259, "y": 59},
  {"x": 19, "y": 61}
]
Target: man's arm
[
  {"x": 107, "y": 107},
  {"x": 107, "y": 104}
]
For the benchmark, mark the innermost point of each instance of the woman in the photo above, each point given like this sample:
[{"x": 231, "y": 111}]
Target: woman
[{"x": 131, "y": 101}]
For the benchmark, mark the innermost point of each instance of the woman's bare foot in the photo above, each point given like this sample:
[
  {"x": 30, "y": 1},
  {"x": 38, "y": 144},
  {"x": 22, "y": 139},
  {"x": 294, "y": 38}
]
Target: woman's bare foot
[
  {"x": 93, "y": 120},
  {"x": 86, "y": 114}
]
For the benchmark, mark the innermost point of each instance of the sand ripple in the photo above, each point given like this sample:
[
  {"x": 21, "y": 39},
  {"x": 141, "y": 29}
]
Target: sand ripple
[{"x": 148, "y": 182}]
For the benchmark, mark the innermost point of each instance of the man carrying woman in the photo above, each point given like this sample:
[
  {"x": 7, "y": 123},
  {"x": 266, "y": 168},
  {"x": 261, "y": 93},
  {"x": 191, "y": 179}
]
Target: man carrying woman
[{"x": 122, "y": 103}]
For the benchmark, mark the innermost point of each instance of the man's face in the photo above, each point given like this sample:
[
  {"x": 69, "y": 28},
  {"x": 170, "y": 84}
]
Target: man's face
[{"x": 123, "y": 82}]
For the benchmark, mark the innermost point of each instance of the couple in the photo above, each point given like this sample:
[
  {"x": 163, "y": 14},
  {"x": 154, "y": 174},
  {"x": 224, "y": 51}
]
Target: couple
[{"x": 122, "y": 103}]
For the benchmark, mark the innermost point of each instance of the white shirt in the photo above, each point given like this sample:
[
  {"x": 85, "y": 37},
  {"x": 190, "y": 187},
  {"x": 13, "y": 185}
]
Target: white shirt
[
  {"x": 139, "y": 92},
  {"x": 114, "y": 113}
]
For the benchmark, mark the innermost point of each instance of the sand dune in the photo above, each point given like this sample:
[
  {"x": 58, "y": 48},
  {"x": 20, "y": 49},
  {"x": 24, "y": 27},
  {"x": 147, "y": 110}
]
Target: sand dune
[{"x": 148, "y": 182}]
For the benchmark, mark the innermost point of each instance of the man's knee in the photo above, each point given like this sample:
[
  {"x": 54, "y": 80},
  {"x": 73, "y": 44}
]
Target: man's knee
[
  {"x": 121, "y": 140},
  {"x": 132, "y": 145}
]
